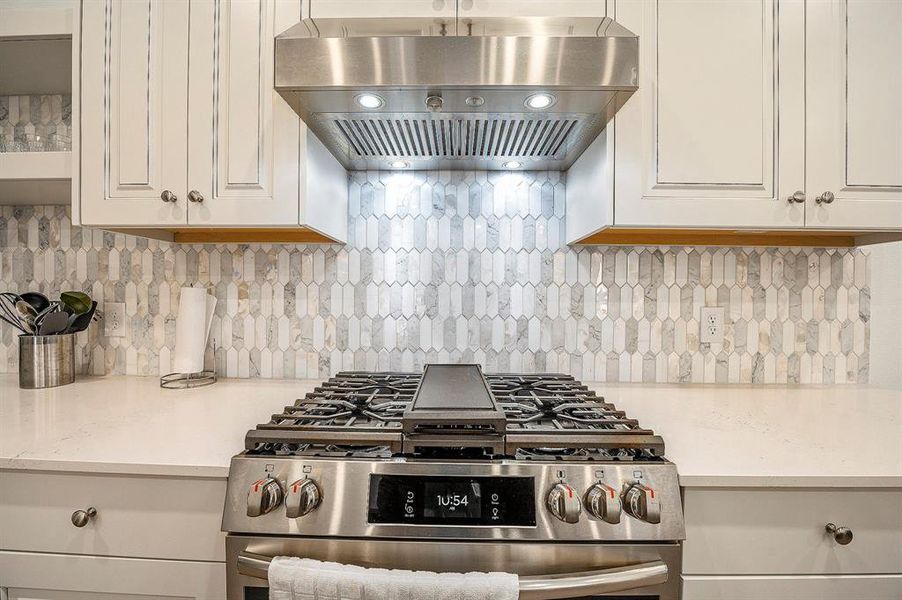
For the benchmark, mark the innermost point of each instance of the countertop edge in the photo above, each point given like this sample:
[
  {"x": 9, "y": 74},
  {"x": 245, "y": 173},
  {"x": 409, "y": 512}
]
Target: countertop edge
[
  {"x": 113, "y": 468},
  {"x": 790, "y": 482}
]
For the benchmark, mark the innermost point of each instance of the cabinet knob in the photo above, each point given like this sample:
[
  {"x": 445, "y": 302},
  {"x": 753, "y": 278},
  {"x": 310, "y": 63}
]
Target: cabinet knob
[
  {"x": 195, "y": 196},
  {"x": 168, "y": 196},
  {"x": 825, "y": 198},
  {"x": 798, "y": 197},
  {"x": 80, "y": 518},
  {"x": 842, "y": 535}
]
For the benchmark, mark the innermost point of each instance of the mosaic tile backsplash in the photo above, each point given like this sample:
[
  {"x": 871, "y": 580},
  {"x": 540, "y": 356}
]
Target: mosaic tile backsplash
[
  {"x": 37, "y": 123},
  {"x": 453, "y": 267}
]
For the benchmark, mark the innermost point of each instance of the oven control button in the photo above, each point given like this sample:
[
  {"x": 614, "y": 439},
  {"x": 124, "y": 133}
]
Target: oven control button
[
  {"x": 564, "y": 503},
  {"x": 643, "y": 503},
  {"x": 263, "y": 497},
  {"x": 303, "y": 496},
  {"x": 602, "y": 502}
]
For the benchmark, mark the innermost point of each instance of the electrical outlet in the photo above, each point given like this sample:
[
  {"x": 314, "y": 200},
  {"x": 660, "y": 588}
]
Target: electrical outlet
[
  {"x": 711, "y": 325},
  {"x": 114, "y": 319}
]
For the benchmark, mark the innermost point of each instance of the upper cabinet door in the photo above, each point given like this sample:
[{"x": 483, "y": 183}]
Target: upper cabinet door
[
  {"x": 854, "y": 144},
  {"x": 356, "y": 18},
  {"x": 134, "y": 67},
  {"x": 715, "y": 135},
  {"x": 519, "y": 17},
  {"x": 532, "y": 8},
  {"x": 243, "y": 138}
]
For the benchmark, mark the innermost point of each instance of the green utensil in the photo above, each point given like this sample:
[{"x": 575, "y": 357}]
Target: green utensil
[{"x": 78, "y": 302}]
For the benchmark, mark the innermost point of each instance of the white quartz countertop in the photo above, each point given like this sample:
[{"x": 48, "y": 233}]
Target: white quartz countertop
[{"x": 803, "y": 436}]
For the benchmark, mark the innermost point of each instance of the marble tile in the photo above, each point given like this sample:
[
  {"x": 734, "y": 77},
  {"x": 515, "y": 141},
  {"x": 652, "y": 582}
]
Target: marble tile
[{"x": 453, "y": 267}]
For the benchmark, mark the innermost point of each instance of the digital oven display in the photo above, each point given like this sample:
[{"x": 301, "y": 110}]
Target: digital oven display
[{"x": 427, "y": 500}]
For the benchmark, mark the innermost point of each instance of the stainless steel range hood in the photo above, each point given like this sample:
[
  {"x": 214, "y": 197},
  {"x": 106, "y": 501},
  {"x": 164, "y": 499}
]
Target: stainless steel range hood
[{"x": 457, "y": 102}]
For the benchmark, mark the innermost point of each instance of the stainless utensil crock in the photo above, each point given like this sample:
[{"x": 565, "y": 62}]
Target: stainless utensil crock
[{"x": 46, "y": 360}]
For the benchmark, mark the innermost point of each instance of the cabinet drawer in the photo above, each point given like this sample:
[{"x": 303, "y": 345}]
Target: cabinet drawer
[
  {"x": 147, "y": 517},
  {"x": 810, "y": 587},
  {"x": 34, "y": 576},
  {"x": 777, "y": 532}
]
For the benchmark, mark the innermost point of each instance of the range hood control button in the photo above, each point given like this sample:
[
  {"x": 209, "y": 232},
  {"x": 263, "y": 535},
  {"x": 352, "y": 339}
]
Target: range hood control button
[
  {"x": 602, "y": 502},
  {"x": 643, "y": 503},
  {"x": 564, "y": 503},
  {"x": 302, "y": 498},
  {"x": 263, "y": 497}
]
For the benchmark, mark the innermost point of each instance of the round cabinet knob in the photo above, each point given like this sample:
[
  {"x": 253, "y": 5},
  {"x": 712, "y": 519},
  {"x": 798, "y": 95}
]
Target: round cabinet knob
[
  {"x": 825, "y": 198},
  {"x": 798, "y": 197},
  {"x": 80, "y": 518},
  {"x": 564, "y": 503},
  {"x": 602, "y": 502},
  {"x": 168, "y": 196},
  {"x": 263, "y": 497},
  {"x": 842, "y": 535},
  {"x": 195, "y": 196},
  {"x": 302, "y": 498},
  {"x": 643, "y": 503}
]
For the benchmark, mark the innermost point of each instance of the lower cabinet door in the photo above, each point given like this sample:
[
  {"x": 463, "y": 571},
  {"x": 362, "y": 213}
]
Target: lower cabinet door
[
  {"x": 812, "y": 587},
  {"x": 36, "y": 576}
]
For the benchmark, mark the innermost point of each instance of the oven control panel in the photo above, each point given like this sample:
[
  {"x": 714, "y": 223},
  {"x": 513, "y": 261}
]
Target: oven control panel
[
  {"x": 437, "y": 500},
  {"x": 492, "y": 500}
]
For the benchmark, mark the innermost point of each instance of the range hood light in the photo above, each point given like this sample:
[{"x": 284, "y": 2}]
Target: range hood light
[
  {"x": 540, "y": 101},
  {"x": 512, "y": 164},
  {"x": 371, "y": 101},
  {"x": 398, "y": 164}
]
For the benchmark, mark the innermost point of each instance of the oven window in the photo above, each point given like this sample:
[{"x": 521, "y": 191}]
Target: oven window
[{"x": 256, "y": 593}]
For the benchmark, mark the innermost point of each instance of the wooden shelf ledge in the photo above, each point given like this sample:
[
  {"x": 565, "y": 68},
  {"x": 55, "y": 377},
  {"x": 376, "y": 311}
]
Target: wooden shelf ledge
[{"x": 732, "y": 237}]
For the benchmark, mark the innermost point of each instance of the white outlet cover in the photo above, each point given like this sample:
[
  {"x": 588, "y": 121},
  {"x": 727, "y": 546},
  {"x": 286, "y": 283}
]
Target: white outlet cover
[
  {"x": 114, "y": 319},
  {"x": 710, "y": 324}
]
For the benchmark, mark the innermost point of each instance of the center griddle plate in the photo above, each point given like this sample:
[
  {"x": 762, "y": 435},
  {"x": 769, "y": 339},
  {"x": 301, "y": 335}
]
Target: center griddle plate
[{"x": 454, "y": 399}]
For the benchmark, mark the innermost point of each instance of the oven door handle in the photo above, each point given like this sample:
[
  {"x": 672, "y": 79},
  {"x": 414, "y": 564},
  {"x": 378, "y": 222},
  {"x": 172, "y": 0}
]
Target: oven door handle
[{"x": 533, "y": 587}]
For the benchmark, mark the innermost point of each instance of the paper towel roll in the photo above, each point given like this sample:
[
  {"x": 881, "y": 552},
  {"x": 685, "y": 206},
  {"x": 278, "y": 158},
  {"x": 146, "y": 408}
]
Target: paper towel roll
[{"x": 191, "y": 329}]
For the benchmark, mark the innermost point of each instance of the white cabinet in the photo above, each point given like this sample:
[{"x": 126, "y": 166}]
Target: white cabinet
[
  {"x": 134, "y": 90},
  {"x": 810, "y": 587},
  {"x": 182, "y": 128},
  {"x": 854, "y": 146},
  {"x": 713, "y": 138},
  {"x": 757, "y": 543},
  {"x": 169, "y": 528},
  {"x": 519, "y": 17},
  {"x": 531, "y": 8},
  {"x": 742, "y": 104},
  {"x": 31, "y": 576},
  {"x": 242, "y": 137},
  {"x": 352, "y": 18},
  {"x": 382, "y": 9}
]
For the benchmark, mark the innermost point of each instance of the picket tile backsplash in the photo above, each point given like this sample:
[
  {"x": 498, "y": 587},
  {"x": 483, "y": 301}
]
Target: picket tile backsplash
[{"x": 451, "y": 267}]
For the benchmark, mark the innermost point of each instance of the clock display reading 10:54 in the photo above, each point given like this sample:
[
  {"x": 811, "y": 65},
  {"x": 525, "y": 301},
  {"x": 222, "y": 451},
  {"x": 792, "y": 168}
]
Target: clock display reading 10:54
[{"x": 452, "y": 500}]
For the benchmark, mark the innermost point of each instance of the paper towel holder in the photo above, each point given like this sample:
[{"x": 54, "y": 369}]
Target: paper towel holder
[{"x": 183, "y": 381}]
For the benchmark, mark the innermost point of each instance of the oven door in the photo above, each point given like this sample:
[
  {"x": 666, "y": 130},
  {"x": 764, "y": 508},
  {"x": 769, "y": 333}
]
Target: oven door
[{"x": 546, "y": 570}]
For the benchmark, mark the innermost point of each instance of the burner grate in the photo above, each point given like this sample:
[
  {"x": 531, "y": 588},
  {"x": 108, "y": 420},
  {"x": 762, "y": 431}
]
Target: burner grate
[{"x": 547, "y": 417}]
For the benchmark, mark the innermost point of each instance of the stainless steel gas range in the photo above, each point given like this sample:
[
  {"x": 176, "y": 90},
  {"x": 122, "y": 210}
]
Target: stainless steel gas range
[{"x": 453, "y": 470}]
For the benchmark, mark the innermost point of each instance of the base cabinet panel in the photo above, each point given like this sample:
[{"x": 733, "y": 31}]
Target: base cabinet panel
[
  {"x": 32, "y": 576},
  {"x": 149, "y": 517},
  {"x": 782, "y": 532},
  {"x": 843, "y": 587}
]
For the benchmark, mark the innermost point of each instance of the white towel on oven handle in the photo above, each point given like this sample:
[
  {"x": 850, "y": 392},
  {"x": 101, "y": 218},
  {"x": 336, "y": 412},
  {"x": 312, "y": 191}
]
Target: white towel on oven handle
[{"x": 292, "y": 578}]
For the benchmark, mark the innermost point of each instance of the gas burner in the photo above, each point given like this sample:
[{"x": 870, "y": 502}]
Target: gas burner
[
  {"x": 587, "y": 454},
  {"x": 529, "y": 417}
]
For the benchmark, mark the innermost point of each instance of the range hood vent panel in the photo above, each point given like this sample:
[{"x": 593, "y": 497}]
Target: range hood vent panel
[
  {"x": 458, "y": 137},
  {"x": 589, "y": 77}
]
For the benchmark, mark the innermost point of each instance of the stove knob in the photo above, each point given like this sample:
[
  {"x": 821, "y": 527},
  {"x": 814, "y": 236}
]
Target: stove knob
[
  {"x": 602, "y": 502},
  {"x": 564, "y": 503},
  {"x": 303, "y": 497},
  {"x": 263, "y": 497},
  {"x": 643, "y": 503}
]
